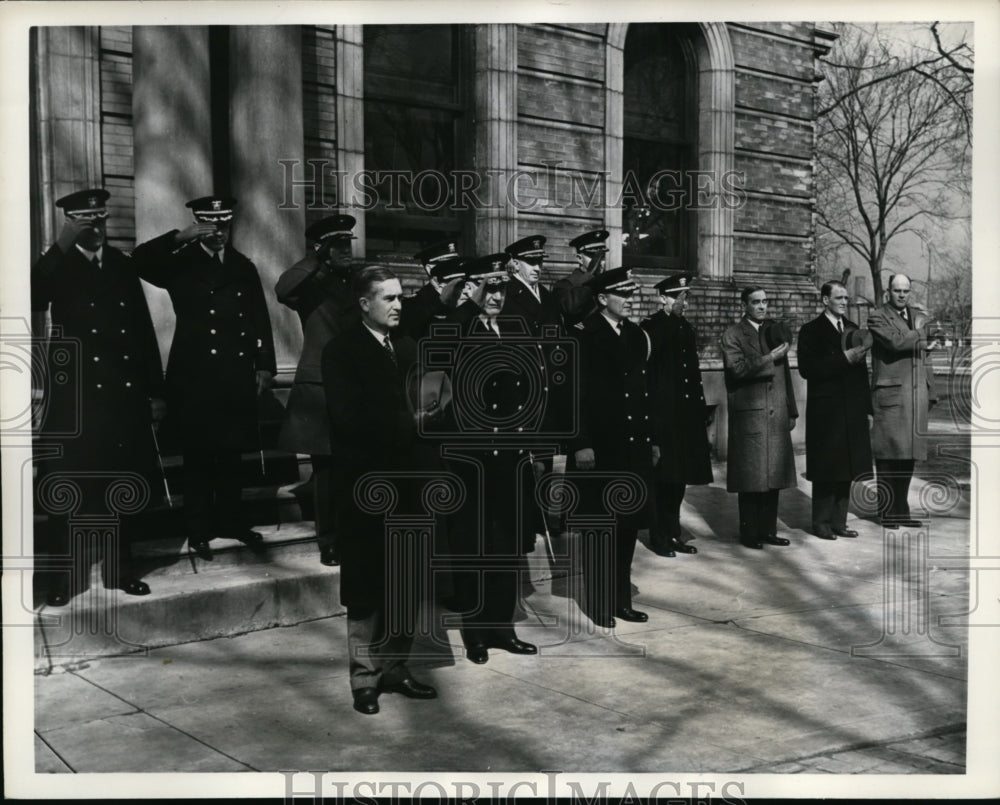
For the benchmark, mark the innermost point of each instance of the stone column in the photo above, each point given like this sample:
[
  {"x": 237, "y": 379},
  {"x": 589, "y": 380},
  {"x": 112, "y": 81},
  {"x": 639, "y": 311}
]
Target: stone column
[
  {"x": 716, "y": 125},
  {"x": 67, "y": 102},
  {"x": 351, "y": 121},
  {"x": 495, "y": 113},
  {"x": 265, "y": 126},
  {"x": 172, "y": 129}
]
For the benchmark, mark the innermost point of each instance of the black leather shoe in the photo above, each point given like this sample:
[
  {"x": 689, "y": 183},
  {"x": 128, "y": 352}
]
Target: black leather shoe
[
  {"x": 683, "y": 547},
  {"x": 366, "y": 700},
  {"x": 911, "y": 524},
  {"x": 128, "y": 585},
  {"x": 845, "y": 532},
  {"x": 631, "y": 615},
  {"x": 748, "y": 542},
  {"x": 201, "y": 548},
  {"x": 514, "y": 646},
  {"x": 892, "y": 526},
  {"x": 774, "y": 539},
  {"x": 58, "y": 596},
  {"x": 477, "y": 653},
  {"x": 410, "y": 688},
  {"x": 252, "y": 539},
  {"x": 604, "y": 623},
  {"x": 328, "y": 556},
  {"x": 824, "y": 533},
  {"x": 663, "y": 550}
]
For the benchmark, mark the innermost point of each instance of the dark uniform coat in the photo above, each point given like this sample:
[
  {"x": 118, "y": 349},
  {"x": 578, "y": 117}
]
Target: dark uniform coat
[
  {"x": 575, "y": 299},
  {"x": 901, "y": 385},
  {"x": 678, "y": 401},
  {"x": 483, "y": 448},
  {"x": 615, "y": 410},
  {"x": 421, "y": 311},
  {"x": 838, "y": 403},
  {"x": 326, "y": 308},
  {"x": 222, "y": 338},
  {"x": 371, "y": 430},
  {"x": 103, "y": 364},
  {"x": 761, "y": 407}
]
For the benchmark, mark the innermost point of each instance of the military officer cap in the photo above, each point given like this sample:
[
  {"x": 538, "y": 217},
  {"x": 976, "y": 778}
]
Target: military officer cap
[
  {"x": 776, "y": 333},
  {"x": 529, "y": 248},
  {"x": 617, "y": 281},
  {"x": 448, "y": 270},
  {"x": 443, "y": 250},
  {"x": 590, "y": 242},
  {"x": 333, "y": 226},
  {"x": 490, "y": 267},
  {"x": 859, "y": 337},
  {"x": 212, "y": 209},
  {"x": 674, "y": 284},
  {"x": 85, "y": 203}
]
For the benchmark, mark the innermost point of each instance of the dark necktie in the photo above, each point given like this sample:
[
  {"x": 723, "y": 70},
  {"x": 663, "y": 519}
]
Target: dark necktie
[
  {"x": 619, "y": 326},
  {"x": 840, "y": 325},
  {"x": 388, "y": 348}
]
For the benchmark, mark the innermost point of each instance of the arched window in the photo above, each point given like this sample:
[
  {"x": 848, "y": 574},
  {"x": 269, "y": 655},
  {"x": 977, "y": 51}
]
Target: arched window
[
  {"x": 659, "y": 147},
  {"x": 416, "y": 134}
]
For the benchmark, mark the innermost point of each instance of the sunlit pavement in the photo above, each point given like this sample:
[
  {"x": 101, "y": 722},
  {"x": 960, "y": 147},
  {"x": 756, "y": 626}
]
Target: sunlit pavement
[{"x": 819, "y": 657}]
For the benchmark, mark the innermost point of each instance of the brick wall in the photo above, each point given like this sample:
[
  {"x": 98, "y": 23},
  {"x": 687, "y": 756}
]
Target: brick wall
[
  {"x": 117, "y": 167},
  {"x": 319, "y": 112}
]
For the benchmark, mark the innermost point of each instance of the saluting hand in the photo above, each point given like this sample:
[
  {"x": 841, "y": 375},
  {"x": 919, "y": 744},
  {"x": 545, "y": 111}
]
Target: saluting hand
[
  {"x": 70, "y": 231},
  {"x": 451, "y": 291},
  {"x": 194, "y": 232},
  {"x": 585, "y": 458}
]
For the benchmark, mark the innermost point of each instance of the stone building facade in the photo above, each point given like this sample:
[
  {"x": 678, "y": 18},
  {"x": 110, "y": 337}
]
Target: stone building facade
[{"x": 509, "y": 130}]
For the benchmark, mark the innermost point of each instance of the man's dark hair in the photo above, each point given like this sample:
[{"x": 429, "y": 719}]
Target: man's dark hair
[
  {"x": 829, "y": 286},
  {"x": 368, "y": 276},
  {"x": 749, "y": 291}
]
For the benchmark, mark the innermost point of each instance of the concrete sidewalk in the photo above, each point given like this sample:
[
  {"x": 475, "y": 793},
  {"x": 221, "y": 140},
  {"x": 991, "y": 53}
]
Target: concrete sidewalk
[{"x": 784, "y": 660}]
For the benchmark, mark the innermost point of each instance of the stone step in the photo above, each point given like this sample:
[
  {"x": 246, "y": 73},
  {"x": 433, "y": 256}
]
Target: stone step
[
  {"x": 190, "y": 599},
  {"x": 288, "y": 588}
]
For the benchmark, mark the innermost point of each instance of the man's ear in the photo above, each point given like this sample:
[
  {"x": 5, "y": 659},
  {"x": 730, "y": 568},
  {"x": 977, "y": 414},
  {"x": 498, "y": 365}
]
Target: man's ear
[
  {"x": 602, "y": 298},
  {"x": 365, "y": 303}
]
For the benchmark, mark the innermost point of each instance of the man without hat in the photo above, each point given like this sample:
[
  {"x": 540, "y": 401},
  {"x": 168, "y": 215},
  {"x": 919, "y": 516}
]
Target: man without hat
[
  {"x": 838, "y": 411},
  {"x": 615, "y": 438},
  {"x": 902, "y": 385},
  {"x": 762, "y": 414},
  {"x": 575, "y": 298},
  {"x": 373, "y": 432},
  {"x": 221, "y": 360},
  {"x": 680, "y": 416},
  {"x": 318, "y": 288},
  {"x": 102, "y": 393}
]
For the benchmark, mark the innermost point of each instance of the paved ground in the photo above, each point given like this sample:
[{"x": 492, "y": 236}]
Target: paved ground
[{"x": 782, "y": 661}]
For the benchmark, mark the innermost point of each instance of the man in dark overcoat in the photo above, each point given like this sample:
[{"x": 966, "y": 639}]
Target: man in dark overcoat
[
  {"x": 102, "y": 392},
  {"x": 680, "y": 416},
  {"x": 572, "y": 292},
  {"x": 901, "y": 392},
  {"x": 486, "y": 423},
  {"x": 615, "y": 438},
  {"x": 373, "y": 430},
  {"x": 318, "y": 288},
  {"x": 762, "y": 414},
  {"x": 838, "y": 412},
  {"x": 221, "y": 359}
]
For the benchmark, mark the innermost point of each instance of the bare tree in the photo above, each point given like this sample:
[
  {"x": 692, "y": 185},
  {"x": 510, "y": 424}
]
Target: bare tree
[{"x": 893, "y": 140}]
